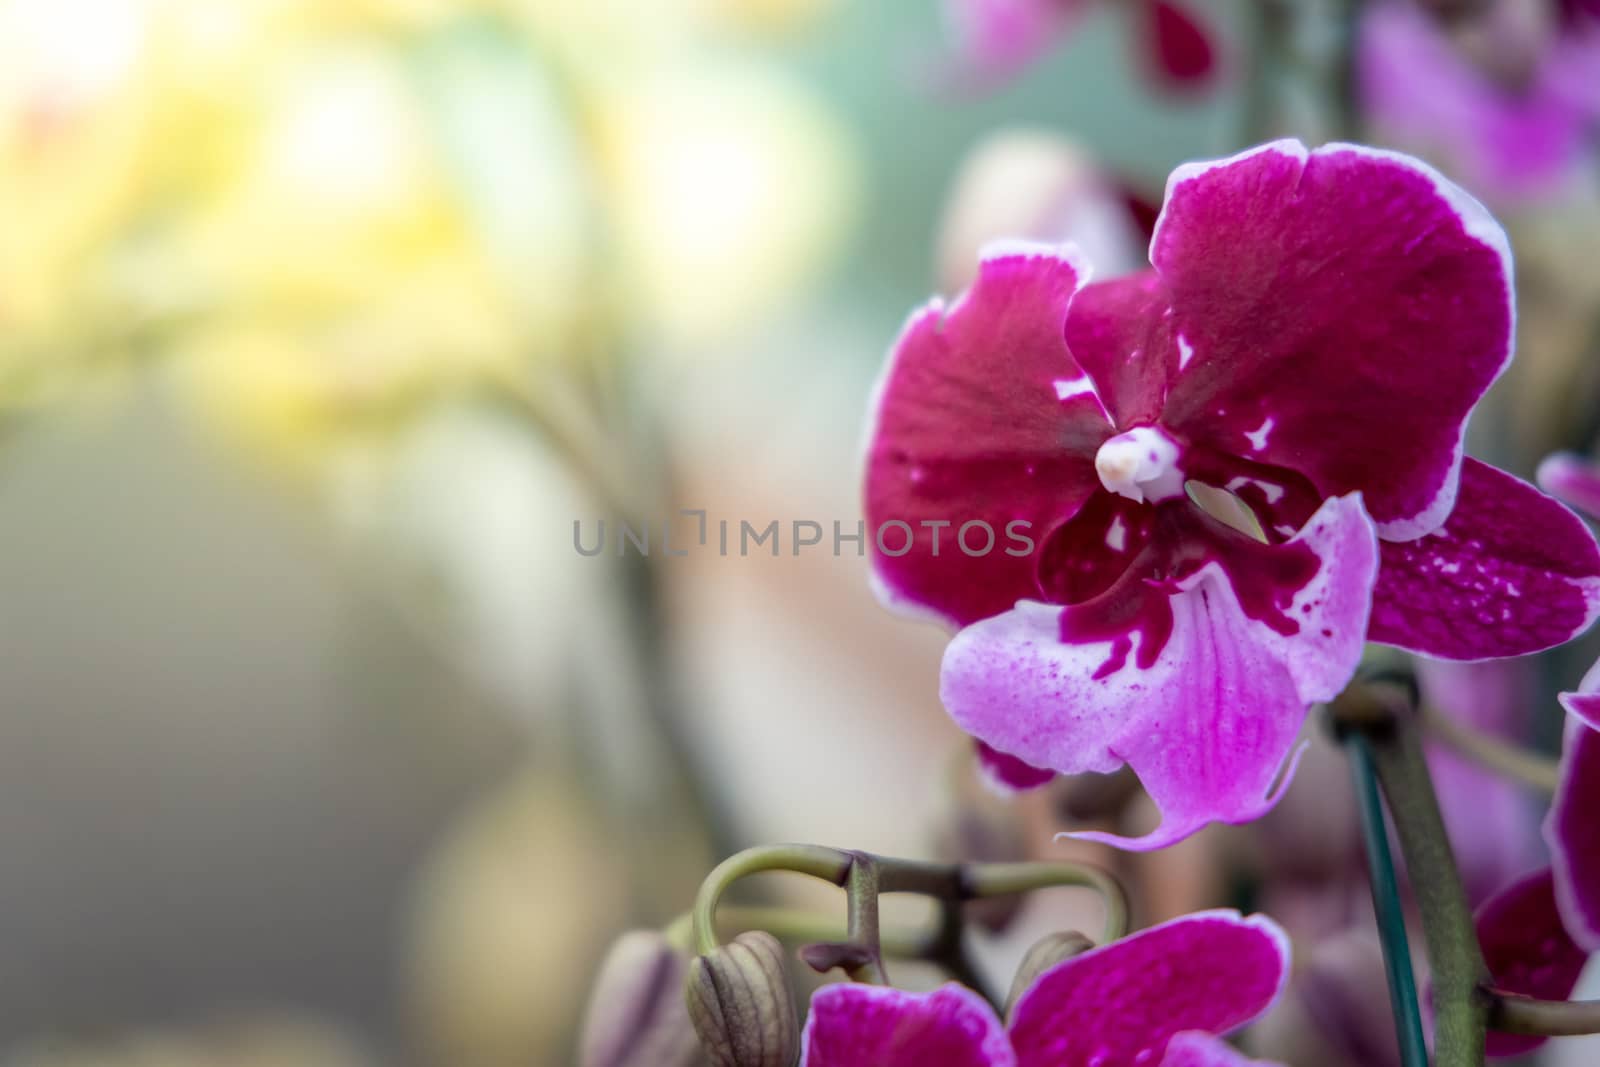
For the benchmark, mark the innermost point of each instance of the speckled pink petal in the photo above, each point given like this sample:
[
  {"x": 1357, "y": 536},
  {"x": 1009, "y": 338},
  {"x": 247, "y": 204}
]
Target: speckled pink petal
[
  {"x": 1571, "y": 479},
  {"x": 1008, "y": 774},
  {"x": 1572, "y": 829},
  {"x": 1121, "y": 1004},
  {"x": 1512, "y": 571},
  {"x": 1528, "y": 950},
  {"x": 1194, "y": 1048},
  {"x": 876, "y": 1026},
  {"x": 1200, "y": 685},
  {"x": 982, "y": 421},
  {"x": 1338, "y": 312}
]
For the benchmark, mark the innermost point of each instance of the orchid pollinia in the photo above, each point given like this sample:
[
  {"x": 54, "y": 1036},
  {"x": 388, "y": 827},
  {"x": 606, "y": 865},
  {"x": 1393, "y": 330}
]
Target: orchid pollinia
[{"x": 1238, "y": 468}]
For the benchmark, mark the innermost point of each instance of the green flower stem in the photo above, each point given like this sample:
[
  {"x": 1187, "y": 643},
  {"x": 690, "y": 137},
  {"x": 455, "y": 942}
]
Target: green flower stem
[
  {"x": 1510, "y": 1013},
  {"x": 865, "y": 877},
  {"x": 828, "y": 864},
  {"x": 1386, "y": 906},
  {"x": 1461, "y": 1008},
  {"x": 1504, "y": 758},
  {"x": 1385, "y": 713},
  {"x": 863, "y": 886},
  {"x": 1002, "y": 879},
  {"x": 803, "y": 927}
]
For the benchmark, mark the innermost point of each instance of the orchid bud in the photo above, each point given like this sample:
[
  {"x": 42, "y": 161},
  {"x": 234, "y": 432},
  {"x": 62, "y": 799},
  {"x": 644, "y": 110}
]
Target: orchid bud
[
  {"x": 636, "y": 1017},
  {"x": 741, "y": 1003},
  {"x": 1045, "y": 954}
]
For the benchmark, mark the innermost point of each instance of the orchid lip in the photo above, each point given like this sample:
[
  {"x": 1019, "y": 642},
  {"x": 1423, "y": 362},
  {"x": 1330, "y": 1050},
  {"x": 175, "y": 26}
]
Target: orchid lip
[{"x": 1141, "y": 464}]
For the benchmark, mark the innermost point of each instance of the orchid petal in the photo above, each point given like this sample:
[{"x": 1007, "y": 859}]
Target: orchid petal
[
  {"x": 996, "y": 38},
  {"x": 1201, "y": 688},
  {"x": 1121, "y": 335},
  {"x": 1528, "y": 950},
  {"x": 1572, "y": 480},
  {"x": 1327, "y": 298},
  {"x": 853, "y": 1025},
  {"x": 1195, "y": 1049},
  {"x": 982, "y": 417},
  {"x": 1180, "y": 52},
  {"x": 1571, "y": 829},
  {"x": 1007, "y": 774},
  {"x": 1508, "y": 144},
  {"x": 1511, "y": 572},
  {"x": 1121, "y": 1004}
]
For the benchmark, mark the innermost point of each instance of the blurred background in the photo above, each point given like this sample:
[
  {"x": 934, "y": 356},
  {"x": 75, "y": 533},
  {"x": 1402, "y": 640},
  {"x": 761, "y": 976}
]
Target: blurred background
[{"x": 322, "y": 323}]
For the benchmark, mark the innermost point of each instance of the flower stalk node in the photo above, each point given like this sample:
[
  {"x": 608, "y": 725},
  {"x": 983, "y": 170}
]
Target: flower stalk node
[
  {"x": 824, "y": 956},
  {"x": 1375, "y": 704}
]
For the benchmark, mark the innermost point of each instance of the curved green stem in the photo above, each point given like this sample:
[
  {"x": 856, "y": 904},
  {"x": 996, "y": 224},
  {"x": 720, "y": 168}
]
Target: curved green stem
[
  {"x": 1001, "y": 879},
  {"x": 791, "y": 924},
  {"x": 828, "y": 864},
  {"x": 866, "y": 876},
  {"x": 1511, "y": 1013}
]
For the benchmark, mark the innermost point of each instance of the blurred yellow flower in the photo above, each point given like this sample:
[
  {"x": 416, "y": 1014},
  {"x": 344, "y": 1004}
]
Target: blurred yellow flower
[
  {"x": 728, "y": 186},
  {"x": 768, "y": 15},
  {"x": 334, "y": 212},
  {"x": 75, "y": 144}
]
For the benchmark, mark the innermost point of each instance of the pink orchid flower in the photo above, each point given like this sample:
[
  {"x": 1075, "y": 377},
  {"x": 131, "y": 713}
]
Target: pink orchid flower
[
  {"x": 1511, "y": 138},
  {"x": 1156, "y": 999},
  {"x": 1537, "y": 933},
  {"x": 998, "y": 37},
  {"x": 1316, "y": 328}
]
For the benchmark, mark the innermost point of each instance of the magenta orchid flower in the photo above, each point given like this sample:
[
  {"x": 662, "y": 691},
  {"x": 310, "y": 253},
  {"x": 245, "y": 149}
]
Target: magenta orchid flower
[
  {"x": 1569, "y": 829},
  {"x": 1528, "y": 949},
  {"x": 1510, "y": 139},
  {"x": 1538, "y": 932},
  {"x": 998, "y": 37},
  {"x": 1315, "y": 330},
  {"x": 1159, "y": 998}
]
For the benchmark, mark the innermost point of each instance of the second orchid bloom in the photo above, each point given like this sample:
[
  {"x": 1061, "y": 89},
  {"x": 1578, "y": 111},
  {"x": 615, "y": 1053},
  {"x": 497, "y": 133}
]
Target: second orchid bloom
[{"x": 1235, "y": 468}]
